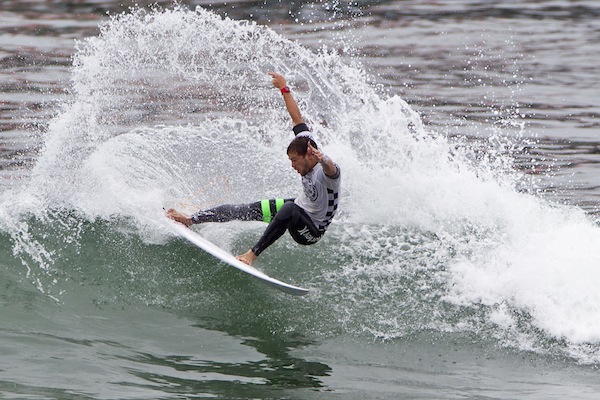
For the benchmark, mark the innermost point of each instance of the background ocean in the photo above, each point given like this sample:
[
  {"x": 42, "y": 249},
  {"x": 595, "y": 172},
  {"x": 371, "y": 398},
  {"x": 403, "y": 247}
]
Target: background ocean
[{"x": 464, "y": 262}]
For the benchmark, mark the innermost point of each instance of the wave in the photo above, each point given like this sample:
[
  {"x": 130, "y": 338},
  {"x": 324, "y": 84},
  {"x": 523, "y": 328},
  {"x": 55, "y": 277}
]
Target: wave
[{"x": 175, "y": 108}]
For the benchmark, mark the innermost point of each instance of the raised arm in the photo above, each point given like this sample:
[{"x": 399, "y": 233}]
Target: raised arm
[{"x": 280, "y": 83}]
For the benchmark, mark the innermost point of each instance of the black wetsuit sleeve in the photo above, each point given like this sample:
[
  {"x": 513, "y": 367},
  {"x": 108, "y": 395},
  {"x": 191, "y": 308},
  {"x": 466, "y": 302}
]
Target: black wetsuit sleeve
[{"x": 301, "y": 127}]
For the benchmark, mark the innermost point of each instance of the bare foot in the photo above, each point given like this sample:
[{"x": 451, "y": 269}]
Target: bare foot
[
  {"x": 179, "y": 217},
  {"x": 248, "y": 257}
]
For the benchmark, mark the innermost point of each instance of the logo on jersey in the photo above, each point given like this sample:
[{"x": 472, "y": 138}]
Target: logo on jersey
[{"x": 310, "y": 190}]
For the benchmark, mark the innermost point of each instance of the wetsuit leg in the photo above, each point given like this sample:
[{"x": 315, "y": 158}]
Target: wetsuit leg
[
  {"x": 291, "y": 217},
  {"x": 302, "y": 229},
  {"x": 258, "y": 211},
  {"x": 230, "y": 212}
]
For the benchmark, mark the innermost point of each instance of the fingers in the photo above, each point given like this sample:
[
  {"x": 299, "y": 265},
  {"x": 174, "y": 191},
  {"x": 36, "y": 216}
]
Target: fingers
[
  {"x": 278, "y": 80},
  {"x": 313, "y": 151}
]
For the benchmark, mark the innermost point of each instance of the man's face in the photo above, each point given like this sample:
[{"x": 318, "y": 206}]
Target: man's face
[{"x": 302, "y": 164}]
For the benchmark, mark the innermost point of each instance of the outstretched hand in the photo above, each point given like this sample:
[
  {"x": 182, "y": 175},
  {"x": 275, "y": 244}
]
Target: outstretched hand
[
  {"x": 278, "y": 80},
  {"x": 329, "y": 167},
  {"x": 315, "y": 152},
  {"x": 280, "y": 83}
]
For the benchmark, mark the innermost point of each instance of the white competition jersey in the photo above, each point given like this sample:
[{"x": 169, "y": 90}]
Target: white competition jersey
[
  {"x": 321, "y": 193},
  {"x": 320, "y": 196}
]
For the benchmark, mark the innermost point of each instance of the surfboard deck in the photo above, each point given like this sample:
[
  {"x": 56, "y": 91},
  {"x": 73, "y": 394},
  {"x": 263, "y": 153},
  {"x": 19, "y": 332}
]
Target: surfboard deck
[{"x": 228, "y": 258}]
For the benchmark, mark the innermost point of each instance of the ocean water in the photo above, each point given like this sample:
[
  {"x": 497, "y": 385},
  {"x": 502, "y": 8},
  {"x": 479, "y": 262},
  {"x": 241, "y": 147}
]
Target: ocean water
[{"x": 463, "y": 262}]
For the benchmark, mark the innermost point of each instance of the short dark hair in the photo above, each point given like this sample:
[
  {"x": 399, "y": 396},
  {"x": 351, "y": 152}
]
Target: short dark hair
[{"x": 300, "y": 145}]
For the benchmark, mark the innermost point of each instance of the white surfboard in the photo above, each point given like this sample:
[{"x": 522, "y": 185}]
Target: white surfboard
[{"x": 226, "y": 257}]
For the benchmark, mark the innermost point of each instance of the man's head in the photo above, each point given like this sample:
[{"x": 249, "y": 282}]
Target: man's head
[{"x": 299, "y": 154}]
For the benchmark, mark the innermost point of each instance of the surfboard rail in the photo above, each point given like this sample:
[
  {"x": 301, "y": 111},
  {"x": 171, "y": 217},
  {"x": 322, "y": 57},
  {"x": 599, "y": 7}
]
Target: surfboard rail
[{"x": 228, "y": 258}]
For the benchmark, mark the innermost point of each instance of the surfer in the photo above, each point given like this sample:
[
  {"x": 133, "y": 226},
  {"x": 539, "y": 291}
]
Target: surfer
[{"x": 306, "y": 217}]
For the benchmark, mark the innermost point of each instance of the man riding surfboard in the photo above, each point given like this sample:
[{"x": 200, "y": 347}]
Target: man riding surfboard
[{"x": 306, "y": 217}]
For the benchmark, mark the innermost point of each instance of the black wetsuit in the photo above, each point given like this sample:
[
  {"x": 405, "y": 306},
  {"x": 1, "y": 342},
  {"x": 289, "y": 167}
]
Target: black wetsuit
[{"x": 281, "y": 214}]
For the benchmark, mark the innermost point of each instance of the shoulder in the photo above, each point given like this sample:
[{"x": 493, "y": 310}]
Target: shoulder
[{"x": 301, "y": 128}]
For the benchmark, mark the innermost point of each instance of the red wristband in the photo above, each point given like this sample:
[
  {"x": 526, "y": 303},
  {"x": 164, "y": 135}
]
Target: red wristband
[{"x": 285, "y": 89}]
